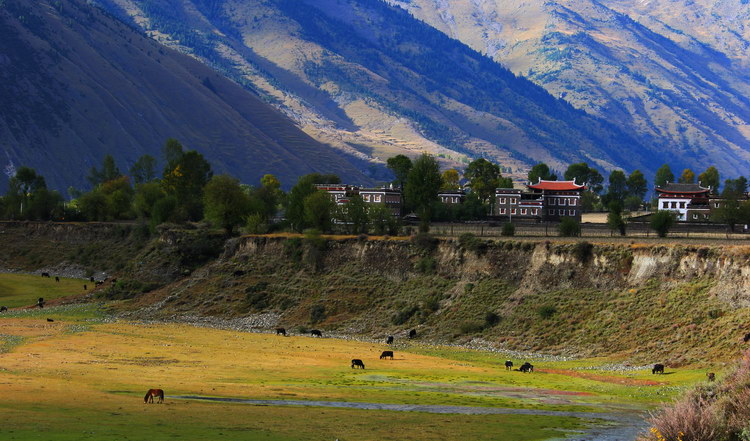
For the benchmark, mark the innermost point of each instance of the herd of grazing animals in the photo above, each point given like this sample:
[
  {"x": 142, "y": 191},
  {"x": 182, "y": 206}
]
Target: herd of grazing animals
[{"x": 356, "y": 362}]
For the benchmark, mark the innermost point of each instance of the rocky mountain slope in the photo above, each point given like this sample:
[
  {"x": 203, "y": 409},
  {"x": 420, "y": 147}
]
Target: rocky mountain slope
[
  {"x": 673, "y": 72},
  {"x": 371, "y": 80},
  {"x": 76, "y": 84}
]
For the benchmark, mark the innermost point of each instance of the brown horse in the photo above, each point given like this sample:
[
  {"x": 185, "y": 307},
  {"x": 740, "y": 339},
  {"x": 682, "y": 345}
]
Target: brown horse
[{"x": 149, "y": 398}]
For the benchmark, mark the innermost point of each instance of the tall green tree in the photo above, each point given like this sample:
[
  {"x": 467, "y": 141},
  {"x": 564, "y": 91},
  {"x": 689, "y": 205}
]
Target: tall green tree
[
  {"x": 484, "y": 178},
  {"x": 663, "y": 175},
  {"x": 27, "y": 196},
  {"x": 143, "y": 170},
  {"x": 450, "y": 180},
  {"x": 710, "y": 178},
  {"x": 617, "y": 189},
  {"x": 615, "y": 219},
  {"x": 637, "y": 185},
  {"x": 185, "y": 176},
  {"x": 319, "y": 210},
  {"x": 400, "y": 165},
  {"x": 108, "y": 172},
  {"x": 583, "y": 174},
  {"x": 662, "y": 221},
  {"x": 226, "y": 204},
  {"x": 354, "y": 214},
  {"x": 422, "y": 186},
  {"x": 295, "y": 201},
  {"x": 687, "y": 177},
  {"x": 541, "y": 171}
]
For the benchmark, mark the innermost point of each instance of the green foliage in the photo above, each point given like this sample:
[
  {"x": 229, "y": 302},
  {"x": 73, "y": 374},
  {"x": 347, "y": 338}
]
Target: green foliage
[
  {"x": 317, "y": 313},
  {"x": 583, "y": 174},
  {"x": 583, "y": 251},
  {"x": 471, "y": 327},
  {"x": 633, "y": 203},
  {"x": 257, "y": 297},
  {"x": 491, "y": 319},
  {"x": 617, "y": 189},
  {"x": 143, "y": 170},
  {"x": 483, "y": 179},
  {"x": 305, "y": 186},
  {"x": 256, "y": 224},
  {"x": 404, "y": 314},
  {"x": 28, "y": 198},
  {"x": 663, "y": 175},
  {"x": 569, "y": 227},
  {"x": 450, "y": 180},
  {"x": 354, "y": 215},
  {"x": 293, "y": 249},
  {"x": 422, "y": 186},
  {"x": 637, "y": 185},
  {"x": 710, "y": 178},
  {"x": 541, "y": 171},
  {"x": 400, "y": 165},
  {"x": 381, "y": 219},
  {"x": 108, "y": 172},
  {"x": 615, "y": 220},
  {"x": 546, "y": 311},
  {"x": 471, "y": 242},
  {"x": 424, "y": 243},
  {"x": 316, "y": 248},
  {"x": 426, "y": 265},
  {"x": 185, "y": 177},
  {"x": 319, "y": 210},
  {"x": 508, "y": 230},
  {"x": 687, "y": 177},
  {"x": 226, "y": 205},
  {"x": 662, "y": 222}
]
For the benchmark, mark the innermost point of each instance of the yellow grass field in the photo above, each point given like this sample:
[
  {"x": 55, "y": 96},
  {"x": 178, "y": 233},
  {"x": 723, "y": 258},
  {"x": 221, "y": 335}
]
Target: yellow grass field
[{"x": 83, "y": 377}]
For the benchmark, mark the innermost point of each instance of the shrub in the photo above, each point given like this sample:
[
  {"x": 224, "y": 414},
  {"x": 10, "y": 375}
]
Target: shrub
[
  {"x": 403, "y": 315},
  {"x": 293, "y": 249},
  {"x": 471, "y": 327},
  {"x": 425, "y": 243},
  {"x": 432, "y": 305},
  {"x": 317, "y": 313},
  {"x": 256, "y": 224},
  {"x": 569, "y": 227},
  {"x": 662, "y": 222},
  {"x": 426, "y": 265},
  {"x": 546, "y": 311},
  {"x": 469, "y": 241},
  {"x": 508, "y": 230},
  {"x": 316, "y": 248},
  {"x": 583, "y": 251},
  {"x": 491, "y": 319}
]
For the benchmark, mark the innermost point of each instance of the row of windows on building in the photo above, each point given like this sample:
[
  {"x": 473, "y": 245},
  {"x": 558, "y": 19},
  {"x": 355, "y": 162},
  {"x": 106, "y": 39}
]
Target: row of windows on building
[
  {"x": 551, "y": 201},
  {"x": 535, "y": 212}
]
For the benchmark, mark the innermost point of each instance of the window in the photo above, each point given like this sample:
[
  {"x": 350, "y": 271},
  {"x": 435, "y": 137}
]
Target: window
[
  {"x": 717, "y": 205},
  {"x": 502, "y": 200},
  {"x": 377, "y": 198},
  {"x": 534, "y": 211},
  {"x": 665, "y": 205},
  {"x": 502, "y": 211},
  {"x": 513, "y": 201},
  {"x": 366, "y": 198},
  {"x": 572, "y": 202},
  {"x": 571, "y": 212},
  {"x": 523, "y": 211},
  {"x": 513, "y": 211},
  {"x": 695, "y": 216},
  {"x": 552, "y": 201},
  {"x": 674, "y": 204},
  {"x": 682, "y": 205},
  {"x": 551, "y": 211},
  {"x": 563, "y": 201}
]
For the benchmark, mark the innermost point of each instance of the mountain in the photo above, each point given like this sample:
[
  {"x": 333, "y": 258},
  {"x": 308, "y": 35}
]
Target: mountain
[
  {"x": 77, "y": 83},
  {"x": 371, "y": 80},
  {"x": 671, "y": 72}
]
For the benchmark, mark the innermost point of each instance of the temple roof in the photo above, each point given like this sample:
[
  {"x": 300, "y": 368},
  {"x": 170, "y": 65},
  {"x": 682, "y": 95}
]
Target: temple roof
[
  {"x": 556, "y": 185},
  {"x": 673, "y": 187}
]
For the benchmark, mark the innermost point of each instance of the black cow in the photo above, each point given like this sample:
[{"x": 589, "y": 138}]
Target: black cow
[
  {"x": 658, "y": 369},
  {"x": 389, "y": 340},
  {"x": 413, "y": 333},
  {"x": 45, "y": 274},
  {"x": 526, "y": 367},
  {"x": 40, "y": 303},
  {"x": 358, "y": 363},
  {"x": 57, "y": 279},
  {"x": 508, "y": 365},
  {"x": 50, "y": 320},
  {"x": 711, "y": 376},
  {"x": 281, "y": 331},
  {"x": 91, "y": 279},
  {"x": 85, "y": 287},
  {"x": 3, "y": 308},
  {"x": 747, "y": 337},
  {"x": 386, "y": 354},
  {"x": 316, "y": 333}
]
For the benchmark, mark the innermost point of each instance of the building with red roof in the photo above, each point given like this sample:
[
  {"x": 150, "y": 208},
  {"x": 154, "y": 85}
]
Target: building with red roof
[{"x": 544, "y": 201}]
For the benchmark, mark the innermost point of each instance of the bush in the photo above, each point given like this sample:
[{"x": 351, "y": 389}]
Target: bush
[
  {"x": 569, "y": 227},
  {"x": 293, "y": 249},
  {"x": 316, "y": 248},
  {"x": 317, "y": 313},
  {"x": 491, "y": 319},
  {"x": 427, "y": 265},
  {"x": 583, "y": 251},
  {"x": 469, "y": 241},
  {"x": 662, "y": 222},
  {"x": 508, "y": 230},
  {"x": 546, "y": 311},
  {"x": 256, "y": 224},
  {"x": 471, "y": 327},
  {"x": 403, "y": 315},
  {"x": 425, "y": 243}
]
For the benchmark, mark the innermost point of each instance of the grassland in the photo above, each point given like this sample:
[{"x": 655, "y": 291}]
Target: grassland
[
  {"x": 82, "y": 377},
  {"x": 17, "y": 290}
]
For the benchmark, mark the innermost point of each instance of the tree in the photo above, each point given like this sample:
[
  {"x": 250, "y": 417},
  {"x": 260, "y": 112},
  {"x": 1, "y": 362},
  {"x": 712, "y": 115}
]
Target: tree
[
  {"x": 94, "y": 205},
  {"x": 146, "y": 196},
  {"x": 22, "y": 189},
  {"x": 450, "y": 180},
  {"x": 663, "y": 175},
  {"x": 710, "y": 178},
  {"x": 227, "y": 205},
  {"x": 687, "y": 177},
  {"x": 422, "y": 186},
  {"x": 108, "y": 172},
  {"x": 569, "y": 227},
  {"x": 400, "y": 165},
  {"x": 615, "y": 220},
  {"x": 541, "y": 171},
  {"x": 662, "y": 221},
  {"x": 583, "y": 174},
  {"x": 143, "y": 170},
  {"x": 381, "y": 219},
  {"x": 185, "y": 177},
  {"x": 617, "y": 189},
  {"x": 354, "y": 214},
  {"x": 735, "y": 188},
  {"x": 483, "y": 179},
  {"x": 295, "y": 201},
  {"x": 637, "y": 185},
  {"x": 318, "y": 209},
  {"x": 633, "y": 203},
  {"x": 732, "y": 211}
]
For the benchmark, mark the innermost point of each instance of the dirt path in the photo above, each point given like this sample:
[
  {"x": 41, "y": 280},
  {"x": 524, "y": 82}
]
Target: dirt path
[{"x": 616, "y": 426}]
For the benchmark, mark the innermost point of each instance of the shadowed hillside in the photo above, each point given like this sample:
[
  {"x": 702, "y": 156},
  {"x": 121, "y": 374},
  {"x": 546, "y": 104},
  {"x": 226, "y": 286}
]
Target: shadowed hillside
[{"x": 77, "y": 84}]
